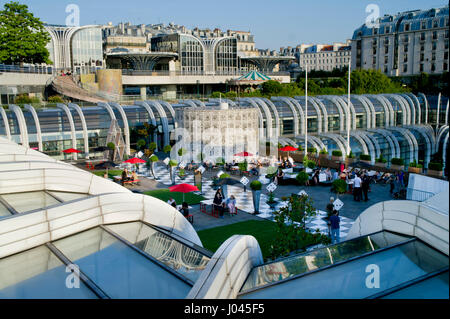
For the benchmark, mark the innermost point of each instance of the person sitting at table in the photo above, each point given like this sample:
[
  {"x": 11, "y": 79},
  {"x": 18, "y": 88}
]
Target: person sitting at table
[
  {"x": 218, "y": 202},
  {"x": 191, "y": 165},
  {"x": 254, "y": 170},
  {"x": 315, "y": 177},
  {"x": 172, "y": 202},
  {"x": 185, "y": 209},
  {"x": 291, "y": 161},
  {"x": 286, "y": 163},
  {"x": 327, "y": 172},
  {"x": 125, "y": 177},
  {"x": 279, "y": 177},
  {"x": 134, "y": 177},
  {"x": 231, "y": 204}
]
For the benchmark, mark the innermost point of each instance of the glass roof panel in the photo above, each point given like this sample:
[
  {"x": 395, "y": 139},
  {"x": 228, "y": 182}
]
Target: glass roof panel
[
  {"x": 318, "y": 258},
  {"x": 4, "y": 211},
  {"x": 183, "y": 259},
  {"x": 23, "y": 202},
  {"x": 37, "y": 274},
  {"x": 65, "y": 196},
  {"x": 353, "y": 280},
  {"x": 117, "y": 269},
  {"x": 432, "y": 288}
]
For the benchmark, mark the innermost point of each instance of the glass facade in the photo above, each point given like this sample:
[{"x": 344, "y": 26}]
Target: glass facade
[
  {"x": 23, "y": 202},
  {"x": 191, "y": 55},
  {"x": 87, "y": 50},
  {"x": 226, "y": 56},
  {"x": 397, "y": 263}
]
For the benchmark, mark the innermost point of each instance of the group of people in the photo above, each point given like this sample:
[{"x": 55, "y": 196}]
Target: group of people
[
  {"x": 361, "y": 186},
  {"x": 126, "y": 177},
  {"x": 221, "y": 205},
  {"x": 184, "y": 207}
]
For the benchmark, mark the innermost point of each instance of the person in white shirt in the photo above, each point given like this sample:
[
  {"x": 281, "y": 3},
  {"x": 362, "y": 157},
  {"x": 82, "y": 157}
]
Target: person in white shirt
[
  {"x": 172, "y": 202},
  {"x": 291, "y": 160},
  {"x": 357, "y": 188}
]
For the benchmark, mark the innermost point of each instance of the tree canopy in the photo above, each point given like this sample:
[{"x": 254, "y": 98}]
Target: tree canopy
[{"x": 22, "y": 36}]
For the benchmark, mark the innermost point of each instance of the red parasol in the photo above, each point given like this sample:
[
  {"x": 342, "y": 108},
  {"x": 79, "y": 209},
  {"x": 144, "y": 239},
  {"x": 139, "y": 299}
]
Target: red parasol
[
  {"x": 71, "y": 150},
  {"x": 135, "y": 160},
  {"x": 183, "y": 188},
  {"x": 288, "y": 149},
  {"x": 243, "y": 154}
]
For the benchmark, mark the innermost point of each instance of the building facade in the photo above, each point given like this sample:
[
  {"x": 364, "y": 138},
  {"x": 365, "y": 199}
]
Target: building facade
[
  {"x": 79, "y": 49},
  {"x": 320, "y": 57},
  {"x": 404, "y": 44}
]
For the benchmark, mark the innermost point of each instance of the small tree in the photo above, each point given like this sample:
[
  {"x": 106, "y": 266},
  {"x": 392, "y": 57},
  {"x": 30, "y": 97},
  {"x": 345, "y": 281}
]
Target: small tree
[
  {"x": 291, "y": 233},
  {"x": 302, "y": 178},
  {"x": 112, "y": 148},
  {"x": 167, "y": 149},
  {"x": 152, "y": 146},
  {"x": 141, "y": 143}
]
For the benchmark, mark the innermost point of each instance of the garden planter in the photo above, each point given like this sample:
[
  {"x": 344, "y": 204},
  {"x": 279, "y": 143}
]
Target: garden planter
[
  {"x": 256, "y": 196},
  {"x": 416, "y": 170},
  {"x": 323, "y": 156},
  {"x": 379, "y": 164},
  {"x": 367, "y": 162},
  {"x": 336, "y": 158},
  {"x": 172, "y": 174},
  {"x": 225, "y": 191},
  {"x": 398, "y": 167},
  {"x": 431, "y": 172}
]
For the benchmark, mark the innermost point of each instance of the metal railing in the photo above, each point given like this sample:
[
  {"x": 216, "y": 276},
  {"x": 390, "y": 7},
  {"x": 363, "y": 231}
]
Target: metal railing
[
  {"x": 418, "y": 195},
  {"x": 35, "y": 69},
  {"x": 195, "y": 73}
]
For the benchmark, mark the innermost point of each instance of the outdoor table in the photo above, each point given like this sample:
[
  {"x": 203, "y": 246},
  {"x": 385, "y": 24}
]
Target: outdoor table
[{"x": 206, "y": 206}]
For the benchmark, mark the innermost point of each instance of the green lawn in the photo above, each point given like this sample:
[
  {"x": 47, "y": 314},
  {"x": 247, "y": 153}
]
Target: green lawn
[
  {"x": 165, "y": 194},
  {"x": 263, "y": 231},
  {"x": 111, "y": 172}
]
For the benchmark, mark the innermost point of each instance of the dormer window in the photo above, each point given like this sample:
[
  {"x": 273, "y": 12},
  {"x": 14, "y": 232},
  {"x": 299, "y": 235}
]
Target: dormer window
[{"x": 387, "y": 29}]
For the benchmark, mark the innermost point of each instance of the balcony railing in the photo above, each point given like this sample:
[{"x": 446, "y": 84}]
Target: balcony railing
[
  {"x": 418, "y": 195},
  {"x": 36, "y": 69},
  {"x": 198, "y": 73}
]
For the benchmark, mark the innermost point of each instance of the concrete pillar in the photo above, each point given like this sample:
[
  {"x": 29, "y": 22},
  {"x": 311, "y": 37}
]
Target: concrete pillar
[
  {"x": 143, "y": 93},
  {"x": 169, "y": 91}
]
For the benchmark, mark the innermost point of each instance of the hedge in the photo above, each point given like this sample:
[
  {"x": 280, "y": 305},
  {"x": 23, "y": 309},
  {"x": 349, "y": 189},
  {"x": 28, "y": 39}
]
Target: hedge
[
  {"x": 365, "y": 157},
  {"x": 340, "y": 186},
  {"x": 336, "y": 153},
  {"x": 435, "y": 166},
  {"x": 397, "y": 161},
  {"x": 302, "y": 178}
]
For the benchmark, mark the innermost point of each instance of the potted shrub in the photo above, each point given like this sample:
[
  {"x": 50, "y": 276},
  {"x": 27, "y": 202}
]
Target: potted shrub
[
  {"x": 397, "y": 163},
  {"x": 141, "y": 144},
  {"x": 414, "y": 167},
  {"x": 302, "y": 178},
  {"x": 323, "y": 153},
  {"x": 312, "y": 151},
  {"x": 256, "y": 186},
  {"x": 182, "y": 173},
  {"x": 224, "y": 186},
  {"x": 271, "y": 201},
  {"x": 380, "y": 161},
  {"x": 111, "y": 146},
  {"x": 152, "y": 160},
  {"x": 167, "y": 149},
  {"x": 336, "y": 155},
  {"x": 365, "y": 158},
  {"x": 152, "y": 147},
  {"x": 434, "y": 169},
  {"x": 350, "y": 158},
  {"x": 339, "y": 186},
  {"x": 243, "y": 167}
]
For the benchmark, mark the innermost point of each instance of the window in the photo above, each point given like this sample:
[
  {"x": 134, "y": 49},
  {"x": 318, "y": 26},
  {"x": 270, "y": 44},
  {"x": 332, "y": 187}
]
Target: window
[
  {"x": 374, "y": 60},
  {"x": 433, "y": 56},
  {"x": 446, "y": 34},
  {"x": 434, "y": 35},
  {"x": 406, "y": 39},
  {"x": 422, "y": 36},
  {"x": 446, "y": 45},
  {"x": 386, "y": 59},
  {"x": 435, "y": 23},
  {"x": 421, "y": 57},
  {"x": 375, "y": 31},
  {"x": 433, "y": 46},
  {"x": 407, "y": 27},
  {"x": 405, "y": 48},
  {"x": 422, "y": 47},
  {"x": 445, "y": 66},
  {"x": 405, "y": 58},
  {"x": 405, "y": 68},
  {"x": 423, "y": 25},
  {"x": 386, "y": 49},
  {"x": 421, "y": 67},
  {"x": 385, "y": 69},
  {"x": 374, "y": 51},
  {"x": 433, "y": 67},
  {"x": 445, "y": 55},
  {"x": 387, "y": 29}
]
